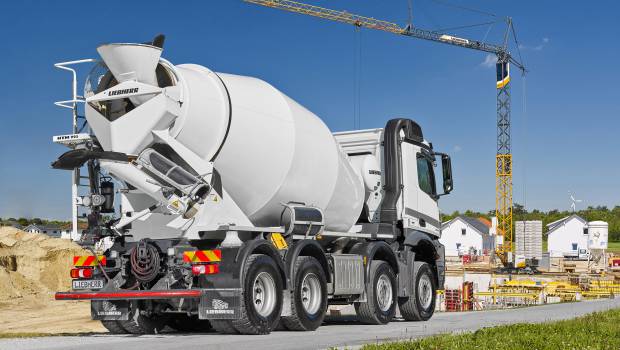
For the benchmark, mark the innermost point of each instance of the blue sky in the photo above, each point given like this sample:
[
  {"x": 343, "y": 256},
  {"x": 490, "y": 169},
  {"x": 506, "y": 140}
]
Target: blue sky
[{"x": 567, "y": 140}]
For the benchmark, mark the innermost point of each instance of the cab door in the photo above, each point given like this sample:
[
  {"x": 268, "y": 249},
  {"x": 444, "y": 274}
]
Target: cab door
[{"x": 419, "y": 205}]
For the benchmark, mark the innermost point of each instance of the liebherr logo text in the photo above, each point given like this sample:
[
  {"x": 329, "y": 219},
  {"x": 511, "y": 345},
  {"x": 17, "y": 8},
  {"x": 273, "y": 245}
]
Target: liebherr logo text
[
  {"x": 123, "y": 92},
  {"x": 220, "y": 307}
]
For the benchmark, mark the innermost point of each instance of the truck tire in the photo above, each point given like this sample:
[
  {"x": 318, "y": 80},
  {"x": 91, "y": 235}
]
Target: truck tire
[
  {"x": 381, "y": 295},
  {"x": 114, "y": 327},
  {"x": 308, "y": 297},
  {"x": 421, "y": 305},
  {"x": 261, "y": 296},
  {"x": 141, "y": 324},
  {"x": 184, "y": 323},
  {"x": 223, "y": 327}
]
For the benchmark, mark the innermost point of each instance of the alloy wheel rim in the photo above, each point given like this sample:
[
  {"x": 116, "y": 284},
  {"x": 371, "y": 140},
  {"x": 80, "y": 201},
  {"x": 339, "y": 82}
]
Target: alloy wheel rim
[
  {"x": 264, "y": 294},
  {"x": 384, "y": 293},
  {"x": 311, "y": 293},
  {"x": 425, "y": 290}
]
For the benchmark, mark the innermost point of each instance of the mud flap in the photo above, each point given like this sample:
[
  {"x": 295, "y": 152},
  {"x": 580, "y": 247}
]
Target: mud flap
[
  {"x": 109, "y": 310},
  {"x": 220, "y": 304}
]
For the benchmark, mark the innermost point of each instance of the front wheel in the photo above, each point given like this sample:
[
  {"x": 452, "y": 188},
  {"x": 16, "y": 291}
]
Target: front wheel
[
  {"x": 380, "y": 305},
  {"x": 421, "y": 305}
]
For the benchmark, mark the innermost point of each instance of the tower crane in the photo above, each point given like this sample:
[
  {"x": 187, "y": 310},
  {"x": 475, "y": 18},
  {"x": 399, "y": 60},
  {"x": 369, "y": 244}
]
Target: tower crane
[{"x": 503, "y": 160}]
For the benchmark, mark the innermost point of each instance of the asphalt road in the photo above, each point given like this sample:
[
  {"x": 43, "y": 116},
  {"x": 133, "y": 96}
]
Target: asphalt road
[{"x": 342, "y": 331}]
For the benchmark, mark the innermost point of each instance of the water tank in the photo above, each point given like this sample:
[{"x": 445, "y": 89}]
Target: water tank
[
  {"x": 598, "y": 232},
  {"x": 268, "y": 149}
]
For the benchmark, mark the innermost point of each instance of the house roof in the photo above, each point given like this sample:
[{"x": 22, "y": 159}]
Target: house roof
[
  {"x": 477, "y": 224},
  {"x": 553, "y": 225},
  {"x": 42, "y": 227}
]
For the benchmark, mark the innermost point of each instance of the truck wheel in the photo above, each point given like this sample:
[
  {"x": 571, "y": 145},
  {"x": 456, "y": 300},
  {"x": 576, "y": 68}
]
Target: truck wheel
[
  {"x": 380, "y": 306},
  {"x": 421, "y": 305},
  {"x": 114, "y": 327},
  {"x": 308, "y": 297},
  {"x": 223, "y": 327},
  {"x": 184, "y": 323},
  {"x": 261, "y": 298},
  {"x": 140, "y": 324}
]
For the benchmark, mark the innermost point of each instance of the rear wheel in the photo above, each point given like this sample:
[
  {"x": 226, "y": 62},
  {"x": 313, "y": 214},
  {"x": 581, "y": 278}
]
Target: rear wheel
[
  {"x": 184, "y": 323},
  {"x": 142, "y": 324},
  {"x": 421, "y": 305},
  {"x": 308, "y": 297},
  {"x": 223, "y": 327},
  {"x": 114, "y": 327},
  {"x": 261, "y": 299},
  {"x": 380, "y": 305}
]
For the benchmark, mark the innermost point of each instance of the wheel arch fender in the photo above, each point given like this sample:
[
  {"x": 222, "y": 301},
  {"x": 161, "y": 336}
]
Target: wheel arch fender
[
  {"x": 376, "y": 250},
  {"x": 427, "y": 249},
  {"x": 260, "y": 246},
  {"x": 306, "y": 248}
]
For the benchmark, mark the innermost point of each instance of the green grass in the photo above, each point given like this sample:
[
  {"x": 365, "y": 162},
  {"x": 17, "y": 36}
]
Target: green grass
[
  {"x": 613, "y": 247},
  {"x": 595, "y": 331}
]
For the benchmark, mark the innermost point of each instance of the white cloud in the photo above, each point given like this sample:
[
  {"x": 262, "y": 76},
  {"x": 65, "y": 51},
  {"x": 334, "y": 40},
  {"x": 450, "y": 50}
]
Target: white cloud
[
  {"x": 457, "y": 148},
  {"x": 544, "y": 41},
  {"x": 489, "y": 61}
]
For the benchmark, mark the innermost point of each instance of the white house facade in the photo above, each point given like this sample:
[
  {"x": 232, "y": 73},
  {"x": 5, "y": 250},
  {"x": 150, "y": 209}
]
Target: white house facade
[
  {"x": 66, "y": 231},
  {"x": 50, "y": 230},
  {"x": 466, "y": 235},
  {"x": 573, "y": 236},
  {"x": 566, "y": 236}
]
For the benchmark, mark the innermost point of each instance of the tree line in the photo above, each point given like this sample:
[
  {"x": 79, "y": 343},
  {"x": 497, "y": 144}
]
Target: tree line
[
  {"x": 37, "y": 221},
  {"x": 519, "y": 213}
]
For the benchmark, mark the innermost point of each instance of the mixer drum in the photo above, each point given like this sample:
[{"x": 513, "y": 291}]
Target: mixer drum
[
  {"x": 276, "y": 152},
  {"x": 268, "y": 149}
]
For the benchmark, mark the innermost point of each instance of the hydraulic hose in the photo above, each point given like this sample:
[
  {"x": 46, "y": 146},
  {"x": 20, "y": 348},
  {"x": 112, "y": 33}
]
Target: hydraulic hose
[{"x": 145, "y": 263}]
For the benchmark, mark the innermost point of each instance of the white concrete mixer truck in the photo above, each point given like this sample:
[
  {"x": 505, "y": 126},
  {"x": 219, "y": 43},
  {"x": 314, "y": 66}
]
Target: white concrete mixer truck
[{"x": 231, "y": 206}]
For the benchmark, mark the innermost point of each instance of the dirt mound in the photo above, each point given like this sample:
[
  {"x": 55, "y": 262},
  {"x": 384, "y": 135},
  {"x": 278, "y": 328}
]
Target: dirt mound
[{"x": 33, "y": 264}]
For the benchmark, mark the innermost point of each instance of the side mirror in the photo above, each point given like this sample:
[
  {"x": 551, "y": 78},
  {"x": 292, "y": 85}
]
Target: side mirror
[{"x": 446, "y": 167}]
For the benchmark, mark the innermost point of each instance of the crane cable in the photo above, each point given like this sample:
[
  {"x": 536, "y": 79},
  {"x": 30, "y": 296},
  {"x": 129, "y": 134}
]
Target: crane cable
[{"x": 461, "y": 7}]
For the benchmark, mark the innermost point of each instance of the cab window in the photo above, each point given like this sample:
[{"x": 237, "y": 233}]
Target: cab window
[{"x": 426, "y": 177}]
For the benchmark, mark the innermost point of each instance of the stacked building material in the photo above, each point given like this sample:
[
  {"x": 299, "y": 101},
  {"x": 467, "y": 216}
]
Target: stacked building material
[
  {"x": 453, "y": 300},
  {"x": 528, "y": 235}
]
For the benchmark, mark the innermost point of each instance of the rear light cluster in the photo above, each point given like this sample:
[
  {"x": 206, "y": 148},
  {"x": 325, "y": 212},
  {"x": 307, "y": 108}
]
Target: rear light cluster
[
  {"x": 203, "y": 262},
  {"x": 82, "y": 273},
  {"x": 205, "y": 269}
]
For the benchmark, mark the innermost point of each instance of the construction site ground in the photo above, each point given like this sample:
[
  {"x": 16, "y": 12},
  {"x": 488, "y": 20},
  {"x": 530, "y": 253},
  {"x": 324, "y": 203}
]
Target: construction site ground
[
  {"x": 34, "y": 266},
  {"x": 338, "y": 331}
]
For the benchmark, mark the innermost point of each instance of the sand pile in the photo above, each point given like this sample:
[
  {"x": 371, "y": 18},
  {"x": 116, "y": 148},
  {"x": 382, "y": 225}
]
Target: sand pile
[
  {"x": 33, "y": 264},
  {"x": 32, "y": 268}
]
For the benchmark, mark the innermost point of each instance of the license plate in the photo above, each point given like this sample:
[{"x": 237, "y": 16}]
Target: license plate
[{"x": 87, "y": 284}]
